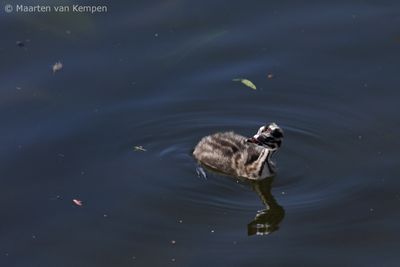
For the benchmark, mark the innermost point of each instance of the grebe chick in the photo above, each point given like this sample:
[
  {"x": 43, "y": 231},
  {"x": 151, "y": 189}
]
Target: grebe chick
[{"x": 236, "y": 155}]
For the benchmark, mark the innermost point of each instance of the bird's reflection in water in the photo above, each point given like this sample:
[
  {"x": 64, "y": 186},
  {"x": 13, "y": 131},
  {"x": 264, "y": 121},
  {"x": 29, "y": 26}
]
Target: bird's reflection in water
[{"x": 268, "y": 219}]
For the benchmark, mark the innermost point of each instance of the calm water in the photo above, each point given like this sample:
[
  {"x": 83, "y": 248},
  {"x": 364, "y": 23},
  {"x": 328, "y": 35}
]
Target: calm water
[{"x": 158, "y": 74}]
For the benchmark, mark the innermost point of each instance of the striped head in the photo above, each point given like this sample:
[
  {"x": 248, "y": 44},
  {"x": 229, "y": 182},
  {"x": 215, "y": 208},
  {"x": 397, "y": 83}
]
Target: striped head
[{"x": 269, "y": 136}]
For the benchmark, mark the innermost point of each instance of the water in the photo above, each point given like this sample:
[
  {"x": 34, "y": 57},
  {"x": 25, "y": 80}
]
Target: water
[{"x": 159, "y": 75}]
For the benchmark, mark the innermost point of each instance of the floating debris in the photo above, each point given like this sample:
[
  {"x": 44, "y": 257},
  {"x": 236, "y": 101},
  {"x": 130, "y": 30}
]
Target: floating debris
[
  {"x": 77, "y": 202},
  {"x": 57, "y": 66},
  {"x": 18, "y": 88},
  {"x": 246, "y": 82},
  {"x": 201, "y": 173},
  {"x": 173, "y": 242},
  {"x": 270, "y": 76},
  {"x": 139, "y": 148},
  {"x": 20, "y": 44}
]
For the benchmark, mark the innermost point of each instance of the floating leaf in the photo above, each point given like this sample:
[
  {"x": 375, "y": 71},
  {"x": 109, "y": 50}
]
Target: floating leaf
[
  {"x": 246, "y": 82},
  {"x": 57, "y": 67},
  {"x": 140, "y": 148},
  {"x": 77, "y": 202}
]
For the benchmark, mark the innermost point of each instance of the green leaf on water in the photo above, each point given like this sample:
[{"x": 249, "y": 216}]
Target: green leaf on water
[{"x": 246, "y": 82}]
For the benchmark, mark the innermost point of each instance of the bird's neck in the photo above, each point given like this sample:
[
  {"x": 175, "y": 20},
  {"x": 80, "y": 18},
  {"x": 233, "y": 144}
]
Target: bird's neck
[{"x": 269, "y": 165}]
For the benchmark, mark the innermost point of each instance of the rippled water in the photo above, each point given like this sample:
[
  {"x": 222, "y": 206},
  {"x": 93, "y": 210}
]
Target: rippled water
[{"x": 159, "y": 75}]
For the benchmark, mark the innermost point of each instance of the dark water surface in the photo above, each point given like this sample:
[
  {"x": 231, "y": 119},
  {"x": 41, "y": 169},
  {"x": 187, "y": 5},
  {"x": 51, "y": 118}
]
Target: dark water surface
[{"x": 158, "y": 74}]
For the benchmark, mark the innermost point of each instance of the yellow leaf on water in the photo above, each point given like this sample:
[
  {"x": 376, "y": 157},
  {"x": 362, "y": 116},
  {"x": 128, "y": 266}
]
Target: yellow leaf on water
[
  {"x": 246, "y": 82},
  {"x": 249, "y": 83}
]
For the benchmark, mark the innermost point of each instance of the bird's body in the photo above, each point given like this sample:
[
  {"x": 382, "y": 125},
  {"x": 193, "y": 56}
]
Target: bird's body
[{"x": 236, "y": 155}]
